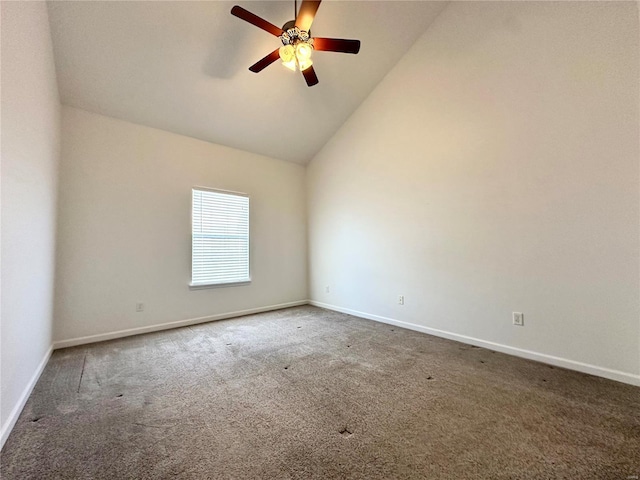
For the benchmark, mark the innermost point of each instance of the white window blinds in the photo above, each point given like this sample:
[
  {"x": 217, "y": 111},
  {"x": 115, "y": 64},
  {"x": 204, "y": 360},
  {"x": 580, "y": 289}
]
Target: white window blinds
[{"x": 219, "y": 237}]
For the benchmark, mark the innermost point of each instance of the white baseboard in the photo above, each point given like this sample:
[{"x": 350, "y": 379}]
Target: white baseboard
[
  {"x": 518, "y": 352},
  {"x": 72, "y": 342},
  {"x": 17, "y": 409}
]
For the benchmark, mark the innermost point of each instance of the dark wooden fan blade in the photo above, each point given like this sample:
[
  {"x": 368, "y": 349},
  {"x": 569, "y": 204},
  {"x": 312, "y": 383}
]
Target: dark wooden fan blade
[
  {"x": 253, "y": 19},
  {"x": 265, "y": 62},
  {"x": 306, "y": 14},
  {"x": 336, "y": 45},
  {"x": 310, "y": 76}
]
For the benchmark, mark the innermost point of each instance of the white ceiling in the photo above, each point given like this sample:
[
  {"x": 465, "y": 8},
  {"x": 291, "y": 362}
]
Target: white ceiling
[{"x": 183, "y": 67}]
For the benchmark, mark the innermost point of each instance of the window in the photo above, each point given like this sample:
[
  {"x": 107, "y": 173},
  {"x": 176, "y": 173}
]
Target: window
[{"x": 219, "y": 237}]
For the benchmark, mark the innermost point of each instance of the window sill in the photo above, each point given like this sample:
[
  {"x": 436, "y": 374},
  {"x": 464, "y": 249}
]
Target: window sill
[{"x": 201, "y": 286}]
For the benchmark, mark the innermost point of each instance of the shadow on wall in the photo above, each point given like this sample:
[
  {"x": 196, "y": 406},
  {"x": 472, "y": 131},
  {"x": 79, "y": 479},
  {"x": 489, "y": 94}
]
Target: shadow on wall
[{"x": 238, "y": 44}]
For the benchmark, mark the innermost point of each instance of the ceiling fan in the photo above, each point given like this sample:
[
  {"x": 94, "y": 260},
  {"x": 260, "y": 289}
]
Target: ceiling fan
[{"x": 297, "y": 43}]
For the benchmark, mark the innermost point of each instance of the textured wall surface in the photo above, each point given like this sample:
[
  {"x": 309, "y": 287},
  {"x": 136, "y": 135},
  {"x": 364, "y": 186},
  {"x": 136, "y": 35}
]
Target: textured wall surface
[
  {"x": 30, "y": 153},
  {"x": 495, "y": 169},
  {"x": 125, "y": 226}
]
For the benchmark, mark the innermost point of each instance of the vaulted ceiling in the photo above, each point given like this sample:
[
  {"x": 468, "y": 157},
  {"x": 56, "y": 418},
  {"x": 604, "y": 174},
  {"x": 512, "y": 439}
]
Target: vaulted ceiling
[{"x": 183, "y": 67}]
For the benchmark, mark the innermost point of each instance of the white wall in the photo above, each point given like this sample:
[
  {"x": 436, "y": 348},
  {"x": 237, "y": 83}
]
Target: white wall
[
  {"x": 30, "y": 152},
  {"x": 495, "y": 169},
  {"x": 125, "y": 227}
]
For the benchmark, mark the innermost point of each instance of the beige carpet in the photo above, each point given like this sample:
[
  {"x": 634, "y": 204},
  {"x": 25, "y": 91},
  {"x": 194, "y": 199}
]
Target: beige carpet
[{"x": 309, "y": 393}]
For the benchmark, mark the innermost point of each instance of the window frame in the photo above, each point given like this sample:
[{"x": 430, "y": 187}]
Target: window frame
[{"x": 199, "y": 286}]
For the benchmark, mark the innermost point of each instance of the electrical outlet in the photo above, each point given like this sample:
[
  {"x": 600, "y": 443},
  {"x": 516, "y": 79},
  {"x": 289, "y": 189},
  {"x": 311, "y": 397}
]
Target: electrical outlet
[
  {"x": 400, "y": 299},
  {"x": 327, "y": 289},
  {"x": 139, "y": 307},
  {"x": 518, "y": 319}
]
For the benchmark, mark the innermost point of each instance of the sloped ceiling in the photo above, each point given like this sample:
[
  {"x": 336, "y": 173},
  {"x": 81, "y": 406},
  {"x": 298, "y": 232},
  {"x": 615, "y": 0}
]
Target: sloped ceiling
[{"x": 183, "y": 67}]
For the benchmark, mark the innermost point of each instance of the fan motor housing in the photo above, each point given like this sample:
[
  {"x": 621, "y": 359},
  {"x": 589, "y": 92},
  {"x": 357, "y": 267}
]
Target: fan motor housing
[{"x": 291, "y": 24}]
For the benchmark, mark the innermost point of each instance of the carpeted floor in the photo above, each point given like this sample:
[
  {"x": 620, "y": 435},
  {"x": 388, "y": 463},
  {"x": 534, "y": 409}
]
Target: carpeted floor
[{"x": 309, "y": 393}]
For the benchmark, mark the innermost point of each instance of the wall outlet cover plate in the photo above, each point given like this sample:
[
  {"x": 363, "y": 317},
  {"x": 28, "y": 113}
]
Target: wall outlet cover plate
[{"x": 518, "y": 319}]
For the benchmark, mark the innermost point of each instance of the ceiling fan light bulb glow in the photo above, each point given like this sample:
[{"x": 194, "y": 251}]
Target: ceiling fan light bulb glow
[
  {"x": 304, "y": 64},
  {"x": 291, "y": 64},
  {"x": 287, "y": 53},
  {"x": 303, "y": 51}
]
